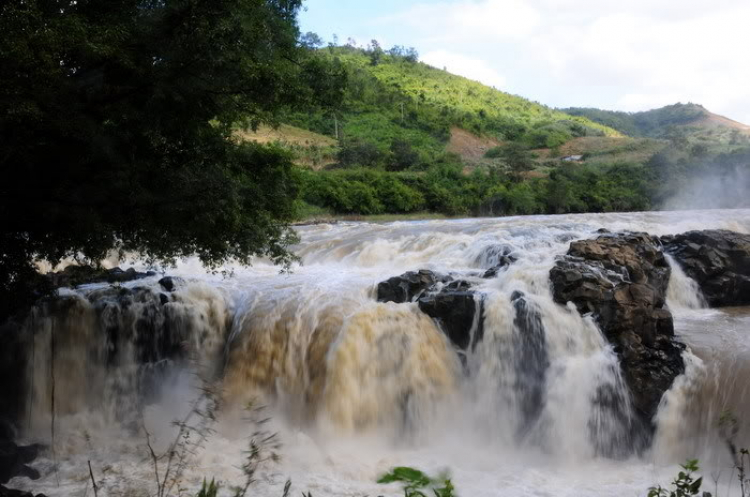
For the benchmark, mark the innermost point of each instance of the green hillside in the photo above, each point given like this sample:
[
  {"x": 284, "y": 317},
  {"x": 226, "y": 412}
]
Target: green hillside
[
  {"x": 410, "y": 139},
  {"x": 691, "y": 121},
  {"x": 392, "y": 97}
]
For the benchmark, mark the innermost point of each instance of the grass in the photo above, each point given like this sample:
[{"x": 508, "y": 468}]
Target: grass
[{"x": 310, "y": 149}]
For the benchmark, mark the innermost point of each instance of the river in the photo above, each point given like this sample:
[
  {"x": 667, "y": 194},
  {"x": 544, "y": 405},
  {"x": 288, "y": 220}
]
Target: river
[{"x": 355, "y": 387}]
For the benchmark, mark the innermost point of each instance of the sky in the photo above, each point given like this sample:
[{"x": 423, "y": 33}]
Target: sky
[{"x": 627, "y": 55}]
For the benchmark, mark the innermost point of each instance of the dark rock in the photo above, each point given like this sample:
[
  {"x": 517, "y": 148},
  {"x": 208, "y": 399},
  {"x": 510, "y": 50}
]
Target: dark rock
[
  {"x": 622, "y": 281},
  {"x": 532, "y": 361},
  {"x": 458, "y": 312},
  {"x": 9, "y": 492},
  {"x": 73, "y": 276},
  {"x": 169, "y": 283},
  {"x": 14, "y": 458},
  {"x": 451, "y": 303},
  {"x": 718, "y": 260},
  {"x": 497, "y": 257},
  {"x": 409, "y": 286}
]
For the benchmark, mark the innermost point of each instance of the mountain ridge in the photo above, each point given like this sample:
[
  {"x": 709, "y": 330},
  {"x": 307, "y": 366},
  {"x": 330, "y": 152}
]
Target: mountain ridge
[{"x": 690, "y": 118}]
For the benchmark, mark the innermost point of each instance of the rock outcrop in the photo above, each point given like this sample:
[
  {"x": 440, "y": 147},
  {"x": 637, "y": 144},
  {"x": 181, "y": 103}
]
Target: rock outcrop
[
  {"x": 530, "y": 349},
  {"x": 718, "y": 260},
  {"x": 454, "y": 306},
  {"x": 409, "y": 286},
  {"x": 73, "y": 276},
  {"x": 10, "y": 492},
  {"x": 497, "y": 258},
  {"x": 622, "y": 281},
  {"x": 15, "y": 458}
]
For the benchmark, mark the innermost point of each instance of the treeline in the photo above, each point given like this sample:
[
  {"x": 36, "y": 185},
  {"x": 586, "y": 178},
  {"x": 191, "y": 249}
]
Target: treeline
[
  {"x": 444, "y": 188},
  {"x": 654, "y": 123}
]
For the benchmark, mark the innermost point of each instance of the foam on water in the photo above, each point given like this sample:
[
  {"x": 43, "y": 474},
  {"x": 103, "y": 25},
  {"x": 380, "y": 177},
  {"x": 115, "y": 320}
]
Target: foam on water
[{"x": 356, "y": 386}]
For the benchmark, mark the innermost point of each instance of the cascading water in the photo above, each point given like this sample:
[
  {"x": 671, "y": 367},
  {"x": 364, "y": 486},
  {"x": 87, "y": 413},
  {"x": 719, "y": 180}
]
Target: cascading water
[
  {"x": 683, "y": 293},
  {"x": 357, "y": 386}
]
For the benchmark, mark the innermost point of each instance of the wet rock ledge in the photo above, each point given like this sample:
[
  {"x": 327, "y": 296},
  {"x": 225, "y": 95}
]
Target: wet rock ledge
[
  {"x": 718, "y": 260},
  {"x": 621, "y": 281},
  {"x": 450, "y": 302}
]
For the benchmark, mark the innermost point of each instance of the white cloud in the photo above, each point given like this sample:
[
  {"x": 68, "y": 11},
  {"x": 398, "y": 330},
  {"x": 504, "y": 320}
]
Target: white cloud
[
  {"x": 629, "y": 55},
  {"x": 475, "y": 69}
]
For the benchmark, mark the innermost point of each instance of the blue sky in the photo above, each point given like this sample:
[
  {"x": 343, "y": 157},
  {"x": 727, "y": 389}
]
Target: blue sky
[{"x": 613, "y": 54}]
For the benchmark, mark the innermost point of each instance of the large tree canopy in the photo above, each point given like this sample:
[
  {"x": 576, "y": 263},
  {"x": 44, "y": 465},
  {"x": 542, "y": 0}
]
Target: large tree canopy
[{"x": 116, "y": 128}]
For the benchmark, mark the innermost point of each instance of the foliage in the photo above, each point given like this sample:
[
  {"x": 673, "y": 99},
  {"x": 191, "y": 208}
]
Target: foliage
[
  {"x": 446, "y": 189},
  {"x": 715, "y": 180},
  {"x": 192, "y": 432},
  {"x": 654, "y": 123},
  {"x": 208, "y": 490},
  {"x": 517, "y": 158},
  {"x": 390, "y": 96},
  {"x": 416, "y": 482},
  {"x": 549, "y": 136},
  {"x": 684, "y": 485},
  {"x": 116, "y": 119},
  {"x": 403, "y": 156},
  {"x": 356, "y": 152},
  {"x": 263, "y": 448}
]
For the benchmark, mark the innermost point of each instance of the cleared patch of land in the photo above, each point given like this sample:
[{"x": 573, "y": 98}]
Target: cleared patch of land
[
  {"x": 286, "y": 134},
  {"x": 470, "y": 147}
]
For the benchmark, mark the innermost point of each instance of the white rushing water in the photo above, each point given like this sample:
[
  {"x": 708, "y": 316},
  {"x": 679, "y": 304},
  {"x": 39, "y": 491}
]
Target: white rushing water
[{"x": 355, "y": 387}]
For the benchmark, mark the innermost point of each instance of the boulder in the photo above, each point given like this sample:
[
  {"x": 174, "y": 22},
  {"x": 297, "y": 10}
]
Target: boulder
[
  {"x": 451, "y": 303},
  {"x": 9, "y": 492},
  {"x": 621, "y": 280},
  {"x": 73, "y": 276},
  {"x": 14, "y": 458},
  {"x": 409, "y": 286},
  {"x": 497, "y": 258},
  {"x": 170, "y": 283},
  {"x": 718, "y": 260},
  {"x": 458, "y": 311},
  {"x": 532, "y": 361}
]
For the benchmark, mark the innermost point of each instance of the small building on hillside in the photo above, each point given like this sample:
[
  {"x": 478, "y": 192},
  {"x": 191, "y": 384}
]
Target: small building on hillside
[{"x": 573, "y": 158}]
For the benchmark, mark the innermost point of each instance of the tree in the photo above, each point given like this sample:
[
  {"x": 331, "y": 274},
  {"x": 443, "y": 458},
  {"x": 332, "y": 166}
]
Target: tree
[
  {"x": 376, "y": 53},
  {"x": 311, "y": 40},
  {"x": 357, "y": 152},
  {"x": 116, "y": 124},
  {"x": 411, "y": 55},
  {"x": 403, "y": 156},
  {"x": 517, "y": 158}
]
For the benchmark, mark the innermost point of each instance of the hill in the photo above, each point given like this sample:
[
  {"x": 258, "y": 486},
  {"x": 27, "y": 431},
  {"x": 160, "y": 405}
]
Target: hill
[
  {"x": 393, "y": 99},
  {"x": 689, "y": 120},
  {"x": 411, "y": 139}
]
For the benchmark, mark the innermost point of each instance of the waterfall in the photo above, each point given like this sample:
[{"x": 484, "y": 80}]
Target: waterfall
[
  {"x": 683, "y": 291},
  {"x": 538, "y": 381}
]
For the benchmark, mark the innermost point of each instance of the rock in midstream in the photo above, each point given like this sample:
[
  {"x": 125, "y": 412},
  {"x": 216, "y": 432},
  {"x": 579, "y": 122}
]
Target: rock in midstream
[
  {"x": 621, "y": 280},
  {"x": 451, "y": 303},
  {"x": 718, "y": 260}
]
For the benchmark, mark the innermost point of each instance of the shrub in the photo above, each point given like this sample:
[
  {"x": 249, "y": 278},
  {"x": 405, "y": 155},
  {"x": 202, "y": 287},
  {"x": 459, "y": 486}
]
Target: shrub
[
  {"x": 360, "y": 153},
  {"x": 416, "y": 482},
  {"x": 684, "y": 485}
]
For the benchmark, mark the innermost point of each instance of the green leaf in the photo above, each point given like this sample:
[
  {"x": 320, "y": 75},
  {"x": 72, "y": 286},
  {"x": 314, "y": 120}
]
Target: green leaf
[{"x": 406, "y": 474}]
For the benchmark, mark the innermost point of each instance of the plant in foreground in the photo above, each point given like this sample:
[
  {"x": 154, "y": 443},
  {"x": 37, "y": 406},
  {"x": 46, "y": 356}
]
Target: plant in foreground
[
  {"x": 209, "y": 490},
  {"x": 684, "y": 484},
  {"x": 416, "y": 483}
]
